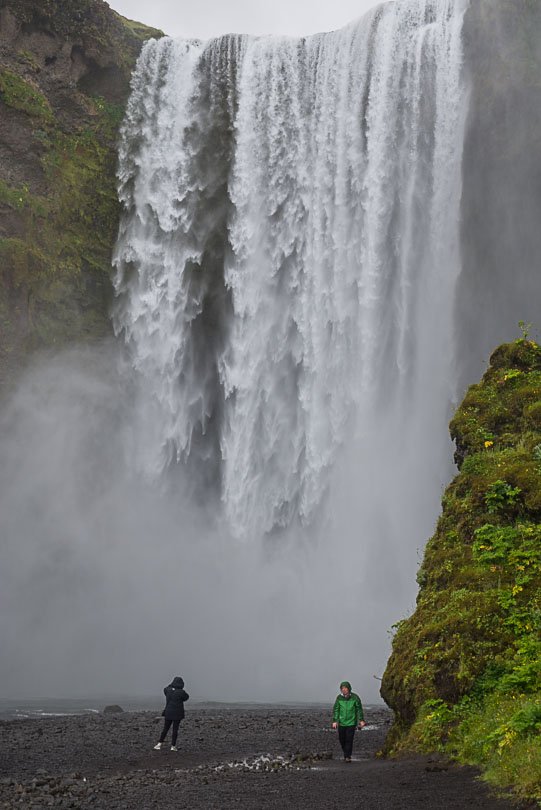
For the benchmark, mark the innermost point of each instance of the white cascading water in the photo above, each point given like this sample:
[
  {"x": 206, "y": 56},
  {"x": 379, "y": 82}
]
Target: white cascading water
[{"x": 288, "y": 256}]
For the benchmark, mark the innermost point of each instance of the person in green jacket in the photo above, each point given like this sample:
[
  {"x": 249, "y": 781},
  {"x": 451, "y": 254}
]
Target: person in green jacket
[{"x": 346, "y": 716}]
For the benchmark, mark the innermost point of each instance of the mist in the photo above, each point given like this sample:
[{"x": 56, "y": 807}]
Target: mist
[{"x": 110, "y": 585}]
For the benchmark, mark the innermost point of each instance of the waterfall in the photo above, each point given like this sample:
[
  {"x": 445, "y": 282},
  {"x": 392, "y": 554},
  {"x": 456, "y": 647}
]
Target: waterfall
[{"x": 288, "y": 256}]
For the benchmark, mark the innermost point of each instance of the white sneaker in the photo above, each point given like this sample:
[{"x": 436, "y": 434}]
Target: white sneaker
[
  {"x": 174, "y": 748},
  {"x": 157, "y": 746}
]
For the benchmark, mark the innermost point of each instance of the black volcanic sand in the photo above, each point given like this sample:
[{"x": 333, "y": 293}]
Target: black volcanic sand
[{"x": 229, "y": 757}]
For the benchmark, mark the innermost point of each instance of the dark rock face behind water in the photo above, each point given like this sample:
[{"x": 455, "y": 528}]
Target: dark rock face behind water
[
  {"x": 272, "y": 757},
  {"x": 501, "y": 202},
  {"x": 64, "y": 79}
]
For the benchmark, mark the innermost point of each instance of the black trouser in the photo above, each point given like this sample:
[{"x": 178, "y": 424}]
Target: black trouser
[
  {"x": 166, "y": 726},
  {"x": 346, "y": 735}
]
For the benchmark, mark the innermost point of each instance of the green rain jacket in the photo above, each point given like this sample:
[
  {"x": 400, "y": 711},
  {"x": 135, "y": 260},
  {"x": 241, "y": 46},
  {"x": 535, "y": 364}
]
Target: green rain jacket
[{"x": 347, "y": 711}]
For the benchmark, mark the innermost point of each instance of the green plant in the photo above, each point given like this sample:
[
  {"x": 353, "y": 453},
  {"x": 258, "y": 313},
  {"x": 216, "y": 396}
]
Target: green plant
[
  {"x": 525, "y": 328},
  {"x": 501, "y": 496}
]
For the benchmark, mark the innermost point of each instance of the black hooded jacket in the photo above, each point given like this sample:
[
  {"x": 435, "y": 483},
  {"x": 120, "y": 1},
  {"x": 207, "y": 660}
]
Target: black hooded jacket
[{"x": 175, "y": 697}]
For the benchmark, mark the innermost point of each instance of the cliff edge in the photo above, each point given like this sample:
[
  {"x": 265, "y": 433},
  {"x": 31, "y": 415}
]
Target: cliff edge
[{"x": 464, "y": 677}]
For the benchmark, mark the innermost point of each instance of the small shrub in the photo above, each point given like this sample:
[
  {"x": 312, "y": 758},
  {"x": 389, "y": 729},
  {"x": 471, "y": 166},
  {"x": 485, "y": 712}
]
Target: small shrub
[{"x": 501, "y": 496}]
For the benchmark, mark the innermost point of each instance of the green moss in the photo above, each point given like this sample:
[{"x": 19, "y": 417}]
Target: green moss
[
  {"x": 21, "y": 199},
  {"x": 18, "y": 93},
  {"x": 473, "y": 645},
  {"x": 29, "y": 60},
  {"x": 61, "y": 266},
  {"x": 507, "y": 401},
  {"x": 13, "y": 197},
  {"x": 84, "y": 216},
  {"x": 110, "y": 117},
  {"x": 20, "y": 262}
]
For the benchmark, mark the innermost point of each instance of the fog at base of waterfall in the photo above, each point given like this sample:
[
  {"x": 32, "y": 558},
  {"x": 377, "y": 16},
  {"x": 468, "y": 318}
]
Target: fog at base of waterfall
[
  {"x": 240, "y": 493},
  {"x": 109, "y": 584}
]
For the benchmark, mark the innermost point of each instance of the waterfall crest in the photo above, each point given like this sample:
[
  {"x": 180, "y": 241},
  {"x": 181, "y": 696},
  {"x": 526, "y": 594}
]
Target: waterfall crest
[{"x": 288, "y": 250}]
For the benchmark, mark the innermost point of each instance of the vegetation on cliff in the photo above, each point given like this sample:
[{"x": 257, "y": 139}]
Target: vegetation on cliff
[
  {"x": 464, "y": 677},
  {"x": 64, "y": 80}
]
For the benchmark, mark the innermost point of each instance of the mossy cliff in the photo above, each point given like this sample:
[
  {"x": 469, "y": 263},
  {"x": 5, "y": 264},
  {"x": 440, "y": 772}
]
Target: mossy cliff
[
  {"x": 464, "y": 676},
  {"x": 64, "y": 80}
]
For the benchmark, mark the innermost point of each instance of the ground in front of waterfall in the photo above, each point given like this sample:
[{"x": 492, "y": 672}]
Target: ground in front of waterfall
[{"x": 230, "y": 756}]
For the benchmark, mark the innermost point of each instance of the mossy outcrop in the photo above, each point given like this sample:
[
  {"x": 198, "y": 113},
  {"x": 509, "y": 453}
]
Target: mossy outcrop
[
  {"x": 64, "y": 80},
  {"x": 464, "y": 676}
]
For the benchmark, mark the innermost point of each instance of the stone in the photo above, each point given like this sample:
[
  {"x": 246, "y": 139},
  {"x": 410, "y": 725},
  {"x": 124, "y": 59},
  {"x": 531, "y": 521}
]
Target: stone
[{"x": 113, "y": 708}]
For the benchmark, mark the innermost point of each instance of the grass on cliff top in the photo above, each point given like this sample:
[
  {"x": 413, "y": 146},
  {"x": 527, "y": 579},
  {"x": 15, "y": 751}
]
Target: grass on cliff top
[
  {"x": 464, "y": 676},
  {"x": 141, "y": 31}
]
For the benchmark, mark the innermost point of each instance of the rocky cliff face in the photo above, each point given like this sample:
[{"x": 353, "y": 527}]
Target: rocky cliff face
[
  {"x": 64, "y": 79},
  {"x": 465, "y": 673}
]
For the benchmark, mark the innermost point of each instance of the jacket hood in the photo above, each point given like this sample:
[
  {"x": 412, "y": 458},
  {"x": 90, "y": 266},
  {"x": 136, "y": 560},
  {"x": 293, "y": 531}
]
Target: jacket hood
[
  {"x": 345, "y": 683},
  {"x": 177, "y": 683}
]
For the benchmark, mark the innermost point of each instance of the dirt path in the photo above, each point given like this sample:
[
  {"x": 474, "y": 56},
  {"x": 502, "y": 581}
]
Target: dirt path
[{"x": 251, "y": 758}]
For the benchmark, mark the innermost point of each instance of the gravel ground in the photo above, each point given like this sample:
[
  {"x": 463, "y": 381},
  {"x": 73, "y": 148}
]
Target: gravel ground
[{"x": 234, "y": 757}]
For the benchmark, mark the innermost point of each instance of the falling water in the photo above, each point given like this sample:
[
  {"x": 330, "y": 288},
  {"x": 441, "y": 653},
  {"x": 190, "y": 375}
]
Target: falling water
[{"x": 287, "y": 259}]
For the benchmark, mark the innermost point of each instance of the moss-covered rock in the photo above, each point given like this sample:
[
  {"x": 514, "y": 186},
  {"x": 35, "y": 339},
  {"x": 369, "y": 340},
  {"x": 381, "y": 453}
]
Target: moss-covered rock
[
  {"x": 472, "y": 649},
  {"x": 64, "y": 81}
]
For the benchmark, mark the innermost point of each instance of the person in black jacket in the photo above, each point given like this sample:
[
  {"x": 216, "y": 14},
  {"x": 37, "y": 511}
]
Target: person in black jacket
[{"x": 175, "y": 697}]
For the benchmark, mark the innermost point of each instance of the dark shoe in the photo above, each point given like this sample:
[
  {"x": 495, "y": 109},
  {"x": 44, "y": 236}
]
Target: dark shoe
[{"x": 347, "y": 759}]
